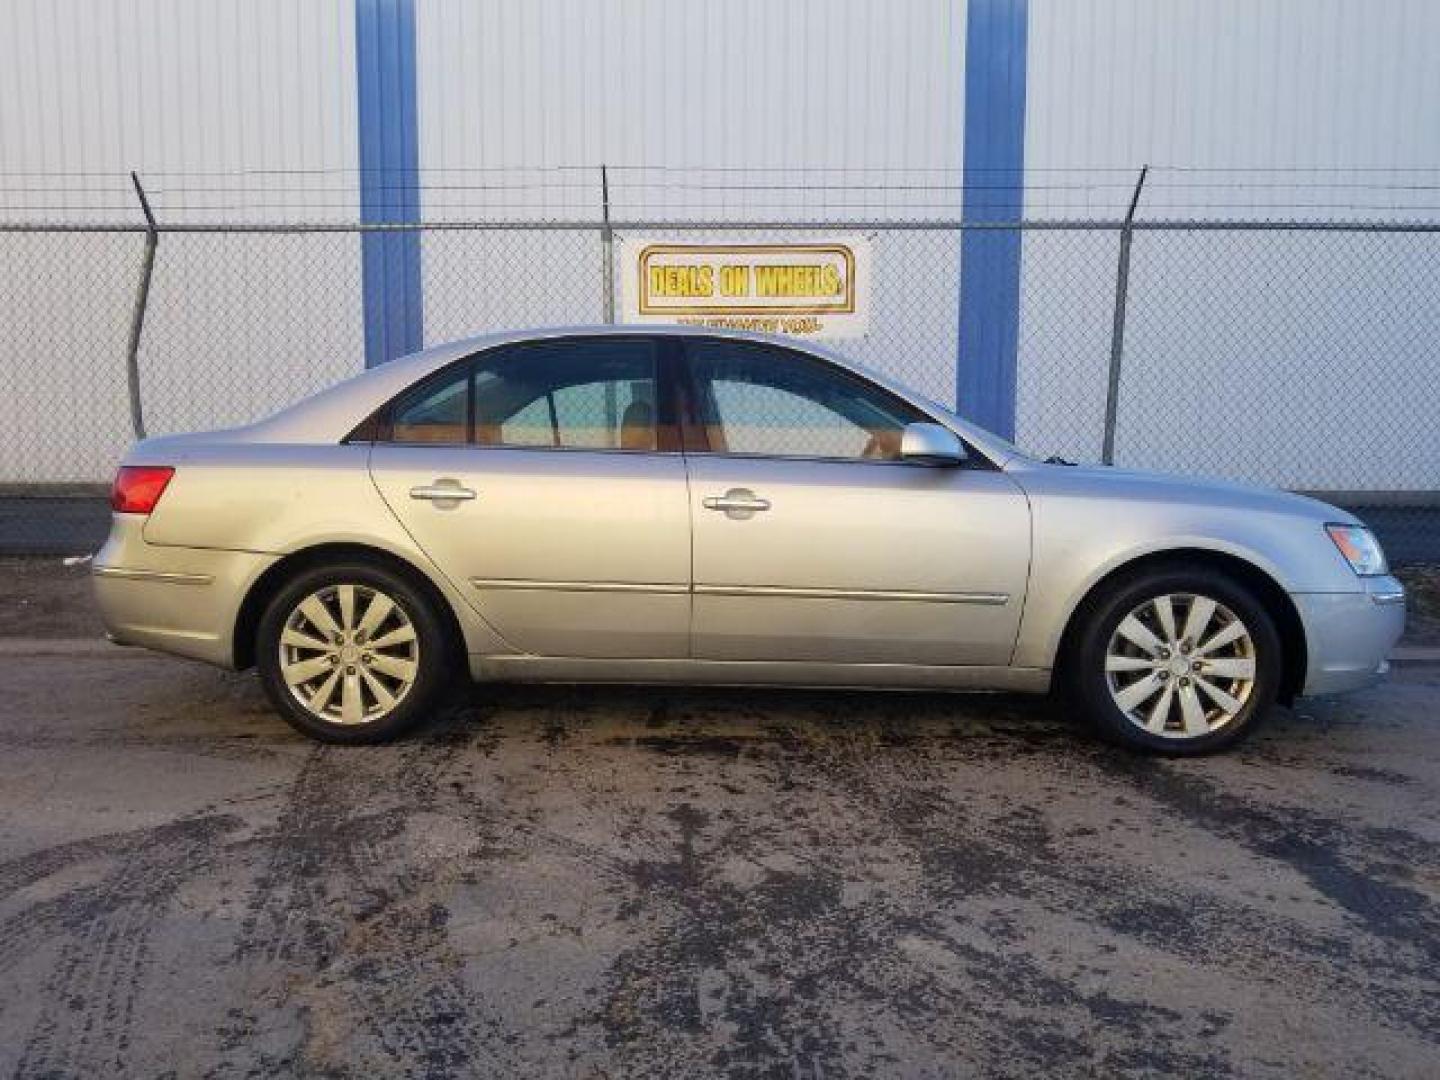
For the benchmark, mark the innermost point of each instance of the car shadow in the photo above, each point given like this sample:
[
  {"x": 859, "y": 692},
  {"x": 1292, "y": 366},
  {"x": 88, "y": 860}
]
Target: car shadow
[
  {"x": 221, "y": 713},
  {"x": 669, "y": 719}
]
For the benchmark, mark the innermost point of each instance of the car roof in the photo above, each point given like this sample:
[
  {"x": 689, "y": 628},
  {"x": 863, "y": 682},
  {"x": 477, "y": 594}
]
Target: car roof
[{"x": 331, "y": 414}]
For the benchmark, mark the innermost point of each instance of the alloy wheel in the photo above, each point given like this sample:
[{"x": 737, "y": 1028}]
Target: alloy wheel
[
  {"x": 349, "y": 654},
  {"x": 1181, "y": 666}
]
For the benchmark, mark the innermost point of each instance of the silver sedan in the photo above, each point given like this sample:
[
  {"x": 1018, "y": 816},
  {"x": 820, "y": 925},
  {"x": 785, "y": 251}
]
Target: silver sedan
[{"x": 671, "y": 505}]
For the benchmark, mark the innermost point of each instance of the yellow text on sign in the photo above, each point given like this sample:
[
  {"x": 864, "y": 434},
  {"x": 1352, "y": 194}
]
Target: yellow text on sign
[{"x": 735, "y": 279}]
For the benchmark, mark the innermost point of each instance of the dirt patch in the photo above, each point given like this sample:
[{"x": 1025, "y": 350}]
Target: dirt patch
[
  {"x": 1422, "y": 583},
  {"x": 604, "y": 882},
  {"x": 44, "y": 598}
]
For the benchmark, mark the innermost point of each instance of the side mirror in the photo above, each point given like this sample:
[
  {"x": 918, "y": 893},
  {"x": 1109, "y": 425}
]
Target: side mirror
[{"x": 931, "y": 444}]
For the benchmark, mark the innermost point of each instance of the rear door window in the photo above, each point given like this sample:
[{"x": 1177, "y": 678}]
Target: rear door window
[
  {"x": 595, "y": 393},
  {"x": 584, "y": 394}
]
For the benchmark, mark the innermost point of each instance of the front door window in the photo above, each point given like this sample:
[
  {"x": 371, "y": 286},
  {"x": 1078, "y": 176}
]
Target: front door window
[{"x": 755, "y": 399}]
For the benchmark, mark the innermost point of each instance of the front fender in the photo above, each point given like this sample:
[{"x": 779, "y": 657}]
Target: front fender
[{"x": 1080, "y": 541}]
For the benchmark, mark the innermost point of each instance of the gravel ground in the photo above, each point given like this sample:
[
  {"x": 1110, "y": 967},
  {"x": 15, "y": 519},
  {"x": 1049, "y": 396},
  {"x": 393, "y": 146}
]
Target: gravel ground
[
  {"x": 44, "y": 598},
  {"x": 604, "y": 883}
]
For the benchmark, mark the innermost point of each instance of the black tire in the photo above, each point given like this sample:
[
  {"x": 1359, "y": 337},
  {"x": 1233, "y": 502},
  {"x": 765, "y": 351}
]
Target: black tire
[
  {"x": 432, "y": 661},
  {"x": 1087, "y": 685}
]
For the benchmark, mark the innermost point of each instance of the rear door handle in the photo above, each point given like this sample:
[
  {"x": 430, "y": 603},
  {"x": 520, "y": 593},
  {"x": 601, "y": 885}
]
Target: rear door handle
[
  {"x": 737, "y": 503},
  {"x": 442, "y": 491}
]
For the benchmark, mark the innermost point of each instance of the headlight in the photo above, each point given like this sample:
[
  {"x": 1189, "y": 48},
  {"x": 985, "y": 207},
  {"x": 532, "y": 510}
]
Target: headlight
[{"x": 1360, "y": 548}]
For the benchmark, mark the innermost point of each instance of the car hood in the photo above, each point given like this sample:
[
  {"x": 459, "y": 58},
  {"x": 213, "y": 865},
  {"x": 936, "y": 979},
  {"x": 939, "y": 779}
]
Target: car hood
[{"x": 1040, "y": 480}]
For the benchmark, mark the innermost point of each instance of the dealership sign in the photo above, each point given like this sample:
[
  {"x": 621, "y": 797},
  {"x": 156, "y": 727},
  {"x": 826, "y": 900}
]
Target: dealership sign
[{"x": 814, "y": 288}]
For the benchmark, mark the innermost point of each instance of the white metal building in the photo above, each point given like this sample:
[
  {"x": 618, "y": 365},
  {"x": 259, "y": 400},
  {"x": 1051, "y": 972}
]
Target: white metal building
[{"x": 347, "y": 110}]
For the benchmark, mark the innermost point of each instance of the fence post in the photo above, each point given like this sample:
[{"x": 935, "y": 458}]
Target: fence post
[
  {"x": 1117, "y": 329},
  {"x": 607, "y": 246},
  {"x": 137, "y": 315}
]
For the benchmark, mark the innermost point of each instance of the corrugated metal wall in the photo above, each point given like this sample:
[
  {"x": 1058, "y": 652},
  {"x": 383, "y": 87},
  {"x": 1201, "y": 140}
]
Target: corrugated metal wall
[
  {"x": 1281, "y": 110},
  {"x": 177, "y": 89},
  {"x": 246, "y": 110},
  {"x": 105, "y": 85},
  {"x": 845, "y": 83},
  {"x": 1233, "y": 84},
  {"x": 231, "y": 110}
]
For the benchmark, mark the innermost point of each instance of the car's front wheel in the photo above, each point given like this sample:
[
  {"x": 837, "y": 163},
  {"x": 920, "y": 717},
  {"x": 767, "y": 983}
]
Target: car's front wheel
[
  {"x": 351, "y": 654},
  {"x": 1176, "y": 661}
]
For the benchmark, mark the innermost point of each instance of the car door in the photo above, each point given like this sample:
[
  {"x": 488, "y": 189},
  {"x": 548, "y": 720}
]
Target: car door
[
  {"x": 814, "y": 542},
  {"x": 534, "y": 476}
]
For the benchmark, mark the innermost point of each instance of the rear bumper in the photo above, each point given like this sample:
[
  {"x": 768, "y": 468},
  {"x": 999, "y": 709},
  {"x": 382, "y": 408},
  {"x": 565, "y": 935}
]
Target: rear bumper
[
  {"x": 1349, "y": 635},
  {"x": 174, "y": 599}
]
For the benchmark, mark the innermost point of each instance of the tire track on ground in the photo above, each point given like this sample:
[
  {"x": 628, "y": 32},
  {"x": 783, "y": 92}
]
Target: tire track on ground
[
  {"x": 1012, "y": 854},
  {"x": 355, "y": 924},
  {"x": 104, "y": 932}
]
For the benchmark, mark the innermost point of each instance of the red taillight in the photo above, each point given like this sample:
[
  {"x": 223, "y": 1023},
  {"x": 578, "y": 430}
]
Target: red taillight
[{"x": 139, "y": 487}]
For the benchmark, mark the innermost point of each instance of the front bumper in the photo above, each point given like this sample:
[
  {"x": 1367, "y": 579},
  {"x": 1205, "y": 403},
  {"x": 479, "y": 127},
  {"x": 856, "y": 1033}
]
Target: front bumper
[
  {"x": 1349, "y": 635},
  {"x": 178, "y": 600}
]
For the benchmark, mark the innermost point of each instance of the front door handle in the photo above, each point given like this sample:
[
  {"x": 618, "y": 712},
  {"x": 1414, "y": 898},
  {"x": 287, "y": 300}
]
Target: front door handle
[
  {"x": 737, "y": 503},
  {"x": 442, "y": 491}
]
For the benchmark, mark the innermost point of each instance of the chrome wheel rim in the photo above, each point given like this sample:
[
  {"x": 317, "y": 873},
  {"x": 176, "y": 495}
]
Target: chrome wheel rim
[
  {"x": 1181, "y": 666},
  {"x": 349, "y": 654}
]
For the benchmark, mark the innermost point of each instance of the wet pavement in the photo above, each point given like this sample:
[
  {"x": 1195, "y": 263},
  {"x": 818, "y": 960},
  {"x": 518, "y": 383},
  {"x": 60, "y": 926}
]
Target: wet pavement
[{"x": 625, "y": 882}]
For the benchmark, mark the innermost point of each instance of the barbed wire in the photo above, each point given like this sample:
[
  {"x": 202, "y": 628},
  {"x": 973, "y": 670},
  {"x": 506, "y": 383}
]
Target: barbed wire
[
  {"x": 1300, "y": 192},
  {"x": 1127, "y": 170}
]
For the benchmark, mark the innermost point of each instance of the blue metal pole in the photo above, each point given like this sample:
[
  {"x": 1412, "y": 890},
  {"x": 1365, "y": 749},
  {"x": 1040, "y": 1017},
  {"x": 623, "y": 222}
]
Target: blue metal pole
[
  {"x": 389, "y": 177},
  {"x": 994, "y": 191}
]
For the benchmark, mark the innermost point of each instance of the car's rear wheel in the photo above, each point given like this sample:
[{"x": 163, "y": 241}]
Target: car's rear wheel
[
  {"x": 351, "y": 654},
  {"x": 1177, "y": 661}
]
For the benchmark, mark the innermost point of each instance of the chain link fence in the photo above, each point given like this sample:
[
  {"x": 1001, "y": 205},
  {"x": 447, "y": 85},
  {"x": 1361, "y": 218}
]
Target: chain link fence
[{"x": 1297, "y": 356}]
